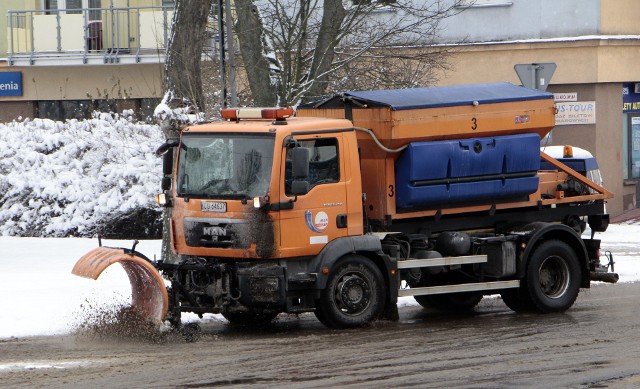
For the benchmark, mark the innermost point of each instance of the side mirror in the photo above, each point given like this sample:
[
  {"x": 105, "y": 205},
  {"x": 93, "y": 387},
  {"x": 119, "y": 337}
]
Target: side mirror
[
  {"x": 300, "y": 170},
  {"x": 300, "y": 163},
  {"x": 166, "y": 183},
  {"x": 167, "y": 162}
]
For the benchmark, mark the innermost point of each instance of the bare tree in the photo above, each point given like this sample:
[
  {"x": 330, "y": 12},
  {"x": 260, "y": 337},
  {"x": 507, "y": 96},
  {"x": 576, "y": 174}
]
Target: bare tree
[{"x": 296, "y": 50}]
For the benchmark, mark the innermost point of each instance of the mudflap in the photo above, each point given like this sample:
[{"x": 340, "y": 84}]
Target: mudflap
[{"x": 148, "y": 292}]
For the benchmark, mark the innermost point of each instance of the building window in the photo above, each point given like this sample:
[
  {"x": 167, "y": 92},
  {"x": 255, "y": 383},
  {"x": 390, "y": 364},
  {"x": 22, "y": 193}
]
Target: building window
[
  {"x": 74, "y": 4},
  {"x": 95, "y": 15},
  {"x": 74, "y": 7},
  {"x": 49, "y": 5}
]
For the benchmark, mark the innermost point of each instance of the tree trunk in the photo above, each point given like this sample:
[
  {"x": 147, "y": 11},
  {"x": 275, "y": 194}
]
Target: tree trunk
[
  {"x": 332, "y": 18},
  {"x": 252, "y": 47},
  {"x": 182, "y": 72}
]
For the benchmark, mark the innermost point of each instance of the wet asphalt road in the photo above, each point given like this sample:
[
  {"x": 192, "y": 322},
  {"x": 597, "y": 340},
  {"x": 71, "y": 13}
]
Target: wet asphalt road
[{"x": 596, "y": 344}]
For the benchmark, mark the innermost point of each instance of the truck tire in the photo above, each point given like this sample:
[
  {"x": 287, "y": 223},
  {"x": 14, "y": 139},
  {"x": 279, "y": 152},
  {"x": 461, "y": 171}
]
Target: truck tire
[
  {"x": 452, "y": 303},
  {"x": 553, "y": 277},
  {"x": 249, "y": 319},
  {"x": 354, "y": 295},
  {"x": 517, "y": 299}
]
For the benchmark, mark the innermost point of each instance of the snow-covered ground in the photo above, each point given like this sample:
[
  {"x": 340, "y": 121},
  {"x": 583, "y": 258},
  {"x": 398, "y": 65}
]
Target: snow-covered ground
[{"x": 40, "y": 296}]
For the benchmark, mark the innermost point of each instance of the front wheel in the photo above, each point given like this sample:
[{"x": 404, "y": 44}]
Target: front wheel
[
  {"x": 553, "y": 277},
  {"x": 354, "y": 294}
]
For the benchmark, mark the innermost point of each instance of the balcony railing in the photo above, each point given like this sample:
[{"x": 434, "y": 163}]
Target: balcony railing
[{"x": 88, "y": 36}]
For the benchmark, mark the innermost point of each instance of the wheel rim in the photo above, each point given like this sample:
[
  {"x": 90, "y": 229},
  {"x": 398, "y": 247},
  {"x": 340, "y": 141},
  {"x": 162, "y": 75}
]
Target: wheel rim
[
  {"x": 352, "y": 294},
  {"x": 554, "y": 277}
]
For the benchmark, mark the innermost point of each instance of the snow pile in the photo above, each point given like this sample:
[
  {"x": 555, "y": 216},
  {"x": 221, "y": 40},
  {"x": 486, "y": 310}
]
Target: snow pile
[{"x": 76, "y": 177}]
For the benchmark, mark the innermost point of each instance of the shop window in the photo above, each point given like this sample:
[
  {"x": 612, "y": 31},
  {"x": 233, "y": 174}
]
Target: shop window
[
  {"x": 50, "y": 110},
  {"x": 633, "y": 146},
  {"x": 77, "y": 109},
  {"x": 147, "y": 107},
  {"x": 64, "y": 110},
  {"x": 105, "y": 106},
  {"x": 324, "y": 165}
]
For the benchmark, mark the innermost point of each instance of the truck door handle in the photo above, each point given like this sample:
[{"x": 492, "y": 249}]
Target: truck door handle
[{"x": 341, "y": 221}]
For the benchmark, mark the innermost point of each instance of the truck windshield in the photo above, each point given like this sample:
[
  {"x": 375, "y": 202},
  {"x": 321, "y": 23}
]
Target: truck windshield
[{"x": 224, "y": 166}]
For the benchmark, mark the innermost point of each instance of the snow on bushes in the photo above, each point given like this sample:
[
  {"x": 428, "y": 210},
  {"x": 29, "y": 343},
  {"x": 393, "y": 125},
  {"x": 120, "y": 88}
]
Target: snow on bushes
[{"x": 78, "y": 178}]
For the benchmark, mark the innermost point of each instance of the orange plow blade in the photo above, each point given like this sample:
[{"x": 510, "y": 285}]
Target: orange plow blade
[{"x": 148, "y": 292}]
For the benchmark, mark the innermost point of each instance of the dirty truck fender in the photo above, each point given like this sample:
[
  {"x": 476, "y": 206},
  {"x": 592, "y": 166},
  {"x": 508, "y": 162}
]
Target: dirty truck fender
[
  {"x": 366, "y": 245},
  {"x": 540, "y": 231}
]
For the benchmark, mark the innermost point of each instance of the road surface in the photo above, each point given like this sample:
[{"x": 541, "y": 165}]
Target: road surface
[{"x": 596, "y": 344}]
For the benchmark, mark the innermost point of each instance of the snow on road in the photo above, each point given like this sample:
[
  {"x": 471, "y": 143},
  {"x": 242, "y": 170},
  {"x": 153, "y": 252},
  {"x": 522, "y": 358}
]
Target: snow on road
[{"x": 40, "y": 296}]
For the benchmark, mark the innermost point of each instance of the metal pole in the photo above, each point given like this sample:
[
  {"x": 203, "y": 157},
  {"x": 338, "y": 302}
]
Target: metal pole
[
  {"x": 223, "y": 79},
  {"x": 231, "y": 54},
  {"x": 58, "y": 30}
]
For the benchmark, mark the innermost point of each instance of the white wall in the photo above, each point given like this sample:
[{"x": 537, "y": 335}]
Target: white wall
[{"x": 523, "y": 19}]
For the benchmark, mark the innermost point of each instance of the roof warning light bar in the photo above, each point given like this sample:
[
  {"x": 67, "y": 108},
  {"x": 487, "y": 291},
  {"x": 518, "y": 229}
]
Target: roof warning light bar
[{"x": 277, "y": 114}]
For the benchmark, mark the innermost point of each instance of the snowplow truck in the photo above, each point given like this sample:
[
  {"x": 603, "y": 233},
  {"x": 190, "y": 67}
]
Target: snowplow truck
[{"x": 367, "y": 197}]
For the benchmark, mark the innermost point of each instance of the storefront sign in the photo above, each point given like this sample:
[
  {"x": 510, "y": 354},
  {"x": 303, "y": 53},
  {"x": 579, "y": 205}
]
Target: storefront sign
[
  {"x": 569, "y": 96},
  {"x": 630, "y": 99},
  {"x": 580, "y": 112},
  {"x": 10, "y": 84}
]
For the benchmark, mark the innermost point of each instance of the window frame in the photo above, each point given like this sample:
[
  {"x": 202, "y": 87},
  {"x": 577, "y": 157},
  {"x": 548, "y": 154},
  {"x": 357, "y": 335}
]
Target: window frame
[{"x": 288, "y": 177}]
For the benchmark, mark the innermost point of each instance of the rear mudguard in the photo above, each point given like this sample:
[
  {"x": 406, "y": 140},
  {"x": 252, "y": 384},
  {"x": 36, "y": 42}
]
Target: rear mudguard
[{"x": 148, "y": 292}]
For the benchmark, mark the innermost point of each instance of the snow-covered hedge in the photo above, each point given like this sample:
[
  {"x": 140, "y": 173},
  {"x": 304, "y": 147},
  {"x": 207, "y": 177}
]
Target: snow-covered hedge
[{"x": 79, "y": 178}]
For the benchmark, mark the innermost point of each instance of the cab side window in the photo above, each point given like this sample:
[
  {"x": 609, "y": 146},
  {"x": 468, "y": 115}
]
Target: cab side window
[{"x": 324, "y": 166}]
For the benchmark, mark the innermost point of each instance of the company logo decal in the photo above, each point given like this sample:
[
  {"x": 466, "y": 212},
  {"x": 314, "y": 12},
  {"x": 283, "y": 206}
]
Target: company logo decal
[{"x": 319, "y": 223}]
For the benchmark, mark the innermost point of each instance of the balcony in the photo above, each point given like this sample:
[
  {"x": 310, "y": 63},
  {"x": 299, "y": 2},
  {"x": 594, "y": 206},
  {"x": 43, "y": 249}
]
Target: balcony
[{"x": 93, "y": 36}]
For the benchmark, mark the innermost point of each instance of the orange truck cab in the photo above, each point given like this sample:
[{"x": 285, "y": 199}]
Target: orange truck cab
[{"x": 436, "y": 193}]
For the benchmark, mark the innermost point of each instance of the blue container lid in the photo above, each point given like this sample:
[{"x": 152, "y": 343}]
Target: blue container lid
[{"x": 440, "y": 96}]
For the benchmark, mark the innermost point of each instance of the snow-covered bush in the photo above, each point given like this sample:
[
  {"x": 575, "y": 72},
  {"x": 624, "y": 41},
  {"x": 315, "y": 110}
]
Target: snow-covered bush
[{"x": 79, "y": 178}]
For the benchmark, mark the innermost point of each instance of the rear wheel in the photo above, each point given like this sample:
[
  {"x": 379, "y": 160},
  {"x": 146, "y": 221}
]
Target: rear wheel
[
  {"x": 553, "y": 277},
  {"x": 354, "y": 294},
  {"x": 454, "y": 302}
]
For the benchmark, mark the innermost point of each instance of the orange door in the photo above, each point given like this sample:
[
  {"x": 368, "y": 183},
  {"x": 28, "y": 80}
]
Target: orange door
[{"x": 319, "y": 216}]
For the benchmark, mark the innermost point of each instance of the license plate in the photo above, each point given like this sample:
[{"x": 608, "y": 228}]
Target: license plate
[{"x": 213, "y": 206}]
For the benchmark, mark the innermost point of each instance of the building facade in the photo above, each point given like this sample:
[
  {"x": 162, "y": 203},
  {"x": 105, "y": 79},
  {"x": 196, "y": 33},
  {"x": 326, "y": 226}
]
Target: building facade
[
  {"x": 595, "y": 45},
  {"x": 62, "y": 59}
]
